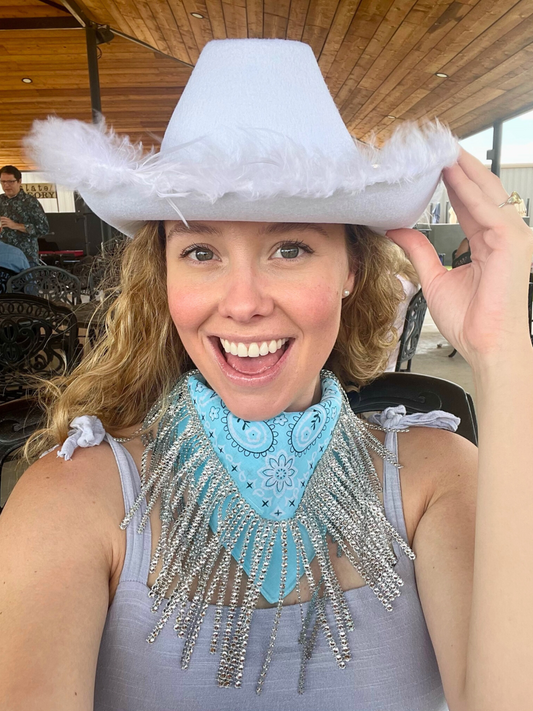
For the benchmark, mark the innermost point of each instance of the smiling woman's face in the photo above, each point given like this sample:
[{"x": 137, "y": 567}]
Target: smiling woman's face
[{"x": 257, "y": 307}]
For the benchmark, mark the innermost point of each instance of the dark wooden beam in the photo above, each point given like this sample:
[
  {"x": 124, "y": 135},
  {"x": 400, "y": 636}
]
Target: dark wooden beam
[{"x": 39, "y": 23}]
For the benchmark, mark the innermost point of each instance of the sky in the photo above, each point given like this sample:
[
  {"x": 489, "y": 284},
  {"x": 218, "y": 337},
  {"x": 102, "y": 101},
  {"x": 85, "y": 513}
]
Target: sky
[{"x": 517, "y": 141}]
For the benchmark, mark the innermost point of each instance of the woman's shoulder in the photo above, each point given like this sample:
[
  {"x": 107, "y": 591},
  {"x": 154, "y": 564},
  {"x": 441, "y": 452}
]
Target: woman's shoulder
[
  {"x": 55, "y": 492},
  {"x": 435, "y": 461}
]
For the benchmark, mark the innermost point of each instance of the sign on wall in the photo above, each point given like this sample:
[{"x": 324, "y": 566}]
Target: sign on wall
[{"x": 41, "y": 191}]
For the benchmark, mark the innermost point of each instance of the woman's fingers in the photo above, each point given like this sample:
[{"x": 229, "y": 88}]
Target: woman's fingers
[
  {"x": 489, "y": 183},
  {"x": 420, "y": 252},
  {"x": 467, "y": 222},
  {"x": 483, "y": 209}
]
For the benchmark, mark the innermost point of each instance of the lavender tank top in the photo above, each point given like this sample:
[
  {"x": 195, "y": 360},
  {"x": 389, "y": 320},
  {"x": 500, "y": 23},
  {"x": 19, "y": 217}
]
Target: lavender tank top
[{"x": 393, "y": 665}]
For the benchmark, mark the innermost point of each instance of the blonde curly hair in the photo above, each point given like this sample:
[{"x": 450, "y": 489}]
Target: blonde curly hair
[{"x": 139, "y": 356}]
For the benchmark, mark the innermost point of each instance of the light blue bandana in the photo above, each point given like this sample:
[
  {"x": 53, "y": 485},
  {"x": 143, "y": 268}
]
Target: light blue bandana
[
  {"x": 271, "y": 463},
  {"x": 273, "y": 493}
]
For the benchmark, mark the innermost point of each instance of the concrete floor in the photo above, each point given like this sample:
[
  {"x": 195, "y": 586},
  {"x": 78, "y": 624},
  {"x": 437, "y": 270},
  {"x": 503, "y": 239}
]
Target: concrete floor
[{"x": 431, "y": 359}]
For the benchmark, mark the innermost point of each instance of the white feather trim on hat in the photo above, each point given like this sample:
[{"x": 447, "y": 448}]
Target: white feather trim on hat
[{"x": 252, "y": 163}]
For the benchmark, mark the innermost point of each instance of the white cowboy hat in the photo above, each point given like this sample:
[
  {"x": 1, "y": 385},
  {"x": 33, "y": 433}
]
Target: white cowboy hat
[{"x": 255, "y": 137}]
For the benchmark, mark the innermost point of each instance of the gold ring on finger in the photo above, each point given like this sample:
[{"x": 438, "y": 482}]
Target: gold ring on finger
[{"x": 513, "y": 199}]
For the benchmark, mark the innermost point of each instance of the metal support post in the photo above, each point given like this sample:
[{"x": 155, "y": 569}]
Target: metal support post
[
  {"x": 495, "y": 154},
  {"x": 94, "y": 80}
]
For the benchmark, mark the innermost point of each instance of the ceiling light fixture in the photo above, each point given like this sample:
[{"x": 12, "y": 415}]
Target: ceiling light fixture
[
  {"x": 442, "y": 75},
  {"x": 197, "y": 15},
  {"x": 390, "y": 116},
  {"x": 27, "y": 80}
]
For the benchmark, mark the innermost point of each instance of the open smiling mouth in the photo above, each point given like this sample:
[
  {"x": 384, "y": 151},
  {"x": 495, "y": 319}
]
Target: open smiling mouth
[{"x": 252, "y": 358}]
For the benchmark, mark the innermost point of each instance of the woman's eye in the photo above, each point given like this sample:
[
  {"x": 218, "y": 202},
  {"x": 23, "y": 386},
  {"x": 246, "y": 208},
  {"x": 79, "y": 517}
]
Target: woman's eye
[
  {"x": 292, "y": 250},
  {"x": 199, "y": 254}
]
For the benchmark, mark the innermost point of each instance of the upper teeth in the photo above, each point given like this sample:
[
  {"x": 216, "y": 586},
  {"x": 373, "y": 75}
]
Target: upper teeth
[{"x": 252, "y": 350}]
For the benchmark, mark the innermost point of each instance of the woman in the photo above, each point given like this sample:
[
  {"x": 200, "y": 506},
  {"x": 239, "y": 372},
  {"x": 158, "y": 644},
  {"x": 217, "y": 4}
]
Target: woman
[{"x": 260, "y": 306}]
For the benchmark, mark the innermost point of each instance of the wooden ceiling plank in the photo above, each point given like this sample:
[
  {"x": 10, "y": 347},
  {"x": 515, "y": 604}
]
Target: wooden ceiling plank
[
  {"x": 383, "y": 96},
  {"x": 480, "y": 121},
  {"x": 275, "y": 27},
  {"x": 277, "y": 7},
  {"x": 135, "y": 21},
  {"x": 362, "y": 28},
  {"x": 297, "y": 17},
  {"x": 503, "y": 56},
  {"x": 474, "y": 101},
  {"x": 254, "y": 18},
  {"x": 410, "y": 34},
  {"x": 117, "y": 19},
  {"x": 339, "y": 27},
  {"x": 182, "y": 29},
  {"x": 320, "y": 16},
  {"x": 359, "y": 99},
  {"x": 98, "y": 11},
  {"x": 159, "y": 41},
  {"x": 465, "y": 94},
  {"x": 168, "y": 27},
  {"x": 384, "y": 32},
  {"x": 216, "y": 18},
  {"x": 400, "y": 98},
  {"x": 201, "y": 28},
  {"x": 498, "y": 19},
  {"x": 501, "y": 108},
  {"x": 235, "y": 18}
]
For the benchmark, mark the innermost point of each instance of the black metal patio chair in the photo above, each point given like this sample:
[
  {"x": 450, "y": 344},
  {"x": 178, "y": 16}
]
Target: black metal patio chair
[
  {"x": 50, "y": 283},
  {"x": 5, "y": 275},
  {"x": 414, "y": 320},
  {"x": 18, "y": 420},
  {"x": 37, "y": 338},
  {"x": 418, "y": 393}
]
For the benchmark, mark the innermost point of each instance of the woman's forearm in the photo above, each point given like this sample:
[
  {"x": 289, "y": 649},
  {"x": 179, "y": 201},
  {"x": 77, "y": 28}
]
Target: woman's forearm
[{"x": 499, "y": 675}]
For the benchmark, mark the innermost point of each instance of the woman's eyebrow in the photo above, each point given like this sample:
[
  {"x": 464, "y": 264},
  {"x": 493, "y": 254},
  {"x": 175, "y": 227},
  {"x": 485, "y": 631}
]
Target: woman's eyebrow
[
  {"x": 282, "y": 227},
  {"x": 271, "y": 229},
  {"x": 200, "y": 229}
]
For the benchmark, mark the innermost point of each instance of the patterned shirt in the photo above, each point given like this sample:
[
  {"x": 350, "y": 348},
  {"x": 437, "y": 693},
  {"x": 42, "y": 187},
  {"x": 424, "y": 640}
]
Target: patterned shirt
[{"x": 26, "y": 210}]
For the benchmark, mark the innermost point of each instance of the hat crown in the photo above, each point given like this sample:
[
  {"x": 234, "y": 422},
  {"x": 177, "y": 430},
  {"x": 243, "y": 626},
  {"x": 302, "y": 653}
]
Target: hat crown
[{"x": 270, "y": 84}]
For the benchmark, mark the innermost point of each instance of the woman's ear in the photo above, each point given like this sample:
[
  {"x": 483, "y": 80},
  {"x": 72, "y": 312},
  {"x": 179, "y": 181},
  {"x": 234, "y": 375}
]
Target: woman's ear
[{"x": 349, "y": 283}]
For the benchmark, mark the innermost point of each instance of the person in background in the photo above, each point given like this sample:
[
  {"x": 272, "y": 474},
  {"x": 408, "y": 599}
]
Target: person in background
[
  {"x": 13, "y": 258},
  {"x": 22, "y": 219}
]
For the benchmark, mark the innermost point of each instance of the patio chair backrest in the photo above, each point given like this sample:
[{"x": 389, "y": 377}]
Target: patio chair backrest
[
  {"x": 412, "y": 328},
  {"x": 37, "y": 337},
  {"x": 5, "y": 274},
  {"x": 418, "y": 393},
  {"x": 50, "y": 283},
  {"x": 464, "y": 258},
  {"x": 90, "y": 272},
  {"x": 18, "y": 420}
]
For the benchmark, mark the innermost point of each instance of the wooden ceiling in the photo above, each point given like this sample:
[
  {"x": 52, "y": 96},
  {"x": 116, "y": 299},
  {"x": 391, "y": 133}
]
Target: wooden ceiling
[{"x": 379, "y": 59}]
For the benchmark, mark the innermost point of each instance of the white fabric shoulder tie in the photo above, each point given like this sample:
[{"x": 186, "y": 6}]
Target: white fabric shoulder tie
[
  {"x": 396, "y": 418},
  {"x": 87, "y": 431}
]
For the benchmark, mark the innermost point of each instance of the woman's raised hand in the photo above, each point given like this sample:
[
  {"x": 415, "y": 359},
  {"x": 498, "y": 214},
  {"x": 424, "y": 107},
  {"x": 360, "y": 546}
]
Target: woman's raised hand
[{"x": 480, "y": 308}]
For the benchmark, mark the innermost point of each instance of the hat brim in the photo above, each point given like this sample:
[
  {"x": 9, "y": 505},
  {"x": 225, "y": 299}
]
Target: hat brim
[
  {"x": 381, "y": 206},
  {"x": 242, "y": 174}
]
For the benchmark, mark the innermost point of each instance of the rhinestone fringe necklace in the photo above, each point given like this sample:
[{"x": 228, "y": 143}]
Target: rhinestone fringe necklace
[{"x": 341, "y": 499}]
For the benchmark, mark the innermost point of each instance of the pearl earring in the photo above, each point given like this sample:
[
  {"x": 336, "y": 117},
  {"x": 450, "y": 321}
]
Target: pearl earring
[{"x": 346, "y": 293}]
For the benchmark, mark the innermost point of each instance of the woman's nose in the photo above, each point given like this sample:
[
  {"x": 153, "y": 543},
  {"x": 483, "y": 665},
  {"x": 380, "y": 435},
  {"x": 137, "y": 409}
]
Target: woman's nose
[{"x": 245, "y": 294}]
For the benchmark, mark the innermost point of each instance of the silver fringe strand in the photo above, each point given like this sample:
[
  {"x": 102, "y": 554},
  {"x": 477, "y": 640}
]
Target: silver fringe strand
[{"x": 341, "y": 499}]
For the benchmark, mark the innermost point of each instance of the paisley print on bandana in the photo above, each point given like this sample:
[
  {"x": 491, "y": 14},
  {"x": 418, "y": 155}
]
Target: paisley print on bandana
[{"x": 270, "y": 461}]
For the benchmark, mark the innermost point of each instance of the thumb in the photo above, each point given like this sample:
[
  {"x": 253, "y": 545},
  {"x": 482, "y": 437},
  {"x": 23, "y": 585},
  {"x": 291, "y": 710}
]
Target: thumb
[{"x": 420, "y": 252}]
